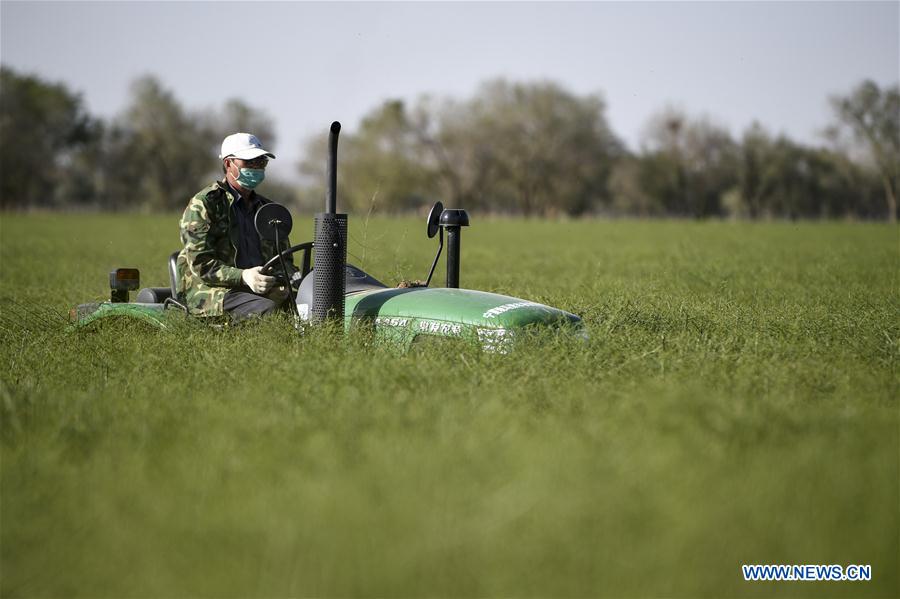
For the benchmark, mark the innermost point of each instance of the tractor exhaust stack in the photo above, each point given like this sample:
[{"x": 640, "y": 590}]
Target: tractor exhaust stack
[
  {"x": 331, "y": 169},
  {"x": 453, "y": 219},
  {"x": 329, "y": 283}
]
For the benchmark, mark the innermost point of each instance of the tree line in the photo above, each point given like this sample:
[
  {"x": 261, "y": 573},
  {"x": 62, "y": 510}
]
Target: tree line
[
  {"x": 530, "y": 148},
  {"x": 153, "y": 156}
]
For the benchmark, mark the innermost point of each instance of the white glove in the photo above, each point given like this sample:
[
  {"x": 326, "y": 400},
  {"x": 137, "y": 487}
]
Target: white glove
[{"x": 256, "y": 281}]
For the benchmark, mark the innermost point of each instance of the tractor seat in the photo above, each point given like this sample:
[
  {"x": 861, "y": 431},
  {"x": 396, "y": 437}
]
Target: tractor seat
[{"x": 162, "y": 295}]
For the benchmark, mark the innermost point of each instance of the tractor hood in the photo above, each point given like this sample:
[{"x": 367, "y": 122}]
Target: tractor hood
[
  {"x": 408, "y": 316},
  {"x": 462, "y": 306}
]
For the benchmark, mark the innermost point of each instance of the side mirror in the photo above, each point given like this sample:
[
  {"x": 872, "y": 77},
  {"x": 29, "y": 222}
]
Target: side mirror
[
  {"x": 434, "y": 225},
  {"x": 434, "y": 218},
  {"x": 273, "y": 221}
]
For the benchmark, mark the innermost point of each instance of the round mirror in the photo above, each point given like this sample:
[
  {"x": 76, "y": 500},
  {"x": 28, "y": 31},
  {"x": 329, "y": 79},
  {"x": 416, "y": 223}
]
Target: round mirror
[
  {"x": 433, "y": 217},
  {"x": 271, "y": 216}
]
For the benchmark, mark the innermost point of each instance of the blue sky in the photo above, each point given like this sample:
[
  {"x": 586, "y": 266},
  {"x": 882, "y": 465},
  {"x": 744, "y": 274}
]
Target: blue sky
[{"x": 306, "y": 64}]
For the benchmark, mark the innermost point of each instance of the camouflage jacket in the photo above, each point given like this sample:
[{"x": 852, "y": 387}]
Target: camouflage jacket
[{"x": 206, "y": 265}]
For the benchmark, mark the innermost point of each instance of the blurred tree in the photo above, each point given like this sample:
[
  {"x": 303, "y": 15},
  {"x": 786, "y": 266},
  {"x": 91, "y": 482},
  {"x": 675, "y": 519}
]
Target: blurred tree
[
  {"x": 532, "y": 148},
  {"x": 754, "y": 175},
  {"x": 239, "y": 117},
  {"x": 384, "y": 162},
  {"x": 81, "y": 178},
  {"x": 688, "y": 164},
  {"x": 380, "y": 165},
  {"x": 311, "y": 168},
  {"x": 873, "y": 117},
  {"x": 458, "y": 159},
  {"x": 41, "y": 126},
  {"x": 158, "y": 154},
  {"x": 528, "y": 148},
  {"x": 777, "y": 177},
  {"x": 630, "y": 192}
]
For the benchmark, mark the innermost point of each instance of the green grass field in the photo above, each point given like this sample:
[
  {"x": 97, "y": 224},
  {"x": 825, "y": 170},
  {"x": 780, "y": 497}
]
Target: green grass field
[{"x": 737, "y": 403}]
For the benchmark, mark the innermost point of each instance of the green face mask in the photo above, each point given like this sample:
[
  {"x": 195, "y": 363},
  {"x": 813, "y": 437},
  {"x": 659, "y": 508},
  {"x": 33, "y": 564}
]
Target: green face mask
[{"x": 250, "y": 177}]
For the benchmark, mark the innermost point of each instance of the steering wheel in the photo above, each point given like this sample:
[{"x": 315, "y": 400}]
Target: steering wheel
[{"x": 269, "y": 267}]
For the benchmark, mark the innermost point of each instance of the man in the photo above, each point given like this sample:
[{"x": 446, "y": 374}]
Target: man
[{"x": 219, "y": 267}]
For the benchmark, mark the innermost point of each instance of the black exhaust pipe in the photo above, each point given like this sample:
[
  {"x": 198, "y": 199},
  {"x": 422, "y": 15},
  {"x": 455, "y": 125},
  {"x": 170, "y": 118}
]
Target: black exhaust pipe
[
  {"x": 453, "y": 219},
  {"x": 331, "y": 169},
  {"x": 329, "y": 283}
]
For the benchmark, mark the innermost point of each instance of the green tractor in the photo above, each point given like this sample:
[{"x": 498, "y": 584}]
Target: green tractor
[{"x": 326, "y": 288}]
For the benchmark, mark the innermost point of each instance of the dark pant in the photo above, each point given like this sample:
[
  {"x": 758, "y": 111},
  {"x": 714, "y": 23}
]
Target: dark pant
[{"x": 243, "y": 304}]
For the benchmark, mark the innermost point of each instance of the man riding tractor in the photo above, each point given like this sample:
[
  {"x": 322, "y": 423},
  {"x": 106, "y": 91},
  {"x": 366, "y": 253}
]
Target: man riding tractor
[{"x": 218, "y": 269}]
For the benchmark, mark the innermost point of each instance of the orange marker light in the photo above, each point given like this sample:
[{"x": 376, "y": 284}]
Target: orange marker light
[{"x": 123, "y": 280}]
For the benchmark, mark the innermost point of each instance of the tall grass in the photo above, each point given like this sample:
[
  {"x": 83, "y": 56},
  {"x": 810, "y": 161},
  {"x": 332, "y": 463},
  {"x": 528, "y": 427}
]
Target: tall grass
[{"x": 737, "y": 402}]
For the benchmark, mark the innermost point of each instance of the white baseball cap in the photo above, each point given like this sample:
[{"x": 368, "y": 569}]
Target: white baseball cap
[{"x": 244, "y": 146}]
